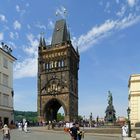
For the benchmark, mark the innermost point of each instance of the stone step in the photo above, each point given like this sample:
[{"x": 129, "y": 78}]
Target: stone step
[{"x": 97, "y": 130}]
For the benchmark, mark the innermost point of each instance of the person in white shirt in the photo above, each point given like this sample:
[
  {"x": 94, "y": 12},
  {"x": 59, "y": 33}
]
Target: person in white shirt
[
  {"x": 124, "y": 131},
  {"x": 25, "y": 126}
]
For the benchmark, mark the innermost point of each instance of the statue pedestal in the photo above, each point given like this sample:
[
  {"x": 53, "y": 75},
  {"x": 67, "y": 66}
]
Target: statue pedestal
[{"x": 109, "y": 124}]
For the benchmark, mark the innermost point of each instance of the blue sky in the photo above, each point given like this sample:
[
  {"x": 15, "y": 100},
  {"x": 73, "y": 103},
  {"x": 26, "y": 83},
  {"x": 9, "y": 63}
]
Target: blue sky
[{"x": 106, "y": 32}]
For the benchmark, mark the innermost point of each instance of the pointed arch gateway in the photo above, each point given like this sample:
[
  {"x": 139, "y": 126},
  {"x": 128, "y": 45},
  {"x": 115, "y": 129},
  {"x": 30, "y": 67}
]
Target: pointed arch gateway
[{"x": 51, "y": 109}]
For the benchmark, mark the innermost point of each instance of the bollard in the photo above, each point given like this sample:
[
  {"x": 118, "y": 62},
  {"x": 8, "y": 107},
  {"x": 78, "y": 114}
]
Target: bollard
[
  {"x": 48, "y": 127},
  {"x": 133, "y": 134}
]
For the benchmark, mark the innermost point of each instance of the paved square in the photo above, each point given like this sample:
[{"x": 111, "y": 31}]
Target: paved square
[{"x": 42, "y": 135}]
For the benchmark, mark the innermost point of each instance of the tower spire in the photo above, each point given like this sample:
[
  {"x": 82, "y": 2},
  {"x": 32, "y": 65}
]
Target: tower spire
[
  {"x": 77, "y": 50},
  {"x": 42, "y": 41},
  {"x": 61, "y": 33}
]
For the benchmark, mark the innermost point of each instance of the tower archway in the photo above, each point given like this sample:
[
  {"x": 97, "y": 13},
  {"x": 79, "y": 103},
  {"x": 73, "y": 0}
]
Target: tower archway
[{"x": 51, "y": 109}]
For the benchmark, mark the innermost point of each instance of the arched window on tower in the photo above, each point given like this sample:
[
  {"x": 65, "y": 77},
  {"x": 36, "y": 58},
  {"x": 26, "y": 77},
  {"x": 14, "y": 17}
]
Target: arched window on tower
[
  {"x": 58, "y": 87},
  {"x": 43, "y": 66},
  {"x": 47, "y": 66},
  {"x": 52, "y": 64},
  {"x": 55, "y": 64},
  {"x": 49, "y": 88},
  {"x": 62, "y": 63},
  {"x": 59, "y": 63}
]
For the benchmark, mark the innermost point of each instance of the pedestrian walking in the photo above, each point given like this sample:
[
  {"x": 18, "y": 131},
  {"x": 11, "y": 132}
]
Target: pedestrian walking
[
  {"x": 0, "y": 124},
  {"x": 73, "y": 132},
  {"x": 19, "y": 126},
  {"x": 124, "y": 131},
  {"x": 79, "y": 134},
  {"x": 6, "y": 132},
  {"x": 25, "y": 126}
]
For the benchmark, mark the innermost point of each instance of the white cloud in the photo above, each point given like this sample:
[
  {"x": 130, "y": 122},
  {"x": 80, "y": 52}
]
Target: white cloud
[
  {"x": 50, "y": 24},
  {"x": 40, "y": 26},
  {"x": 127, "y": 21},
  {"x": 28, "y": 67},
  {"x": 131, "y": 2},
  {"x": 48, "y": 41},
  {"x": 92, "y": 36},
  {"x": 122, "y": 11},
  {"x": 20, "y": 10},
  {"x": 107, "y": 7},
  {"x": 33, "y": 45},
  {"x": 1, "y": 36},
  {"x": 61, "y": 12},
  {"x": 97, "y": 33},
  {"x": 17, "y": 25},
  {"x": 12, "y": 45},
  {"x": 14, "y": 35},
  {"x": 2, "y": 18},
  {"x": 17, "y": 8},
  {"x": 11, "y": 34}
]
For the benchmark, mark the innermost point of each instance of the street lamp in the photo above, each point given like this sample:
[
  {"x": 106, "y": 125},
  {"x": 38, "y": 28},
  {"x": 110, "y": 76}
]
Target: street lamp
[
  {"x": 129, "y": 125},
  {"x": 83, "y": 121}
]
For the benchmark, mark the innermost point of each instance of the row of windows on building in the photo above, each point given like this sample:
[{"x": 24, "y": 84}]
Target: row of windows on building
[
  {"x": 4, "y": 79},
  {"x": 54, "y": 64},
  {"x": 4, "y": 100}
]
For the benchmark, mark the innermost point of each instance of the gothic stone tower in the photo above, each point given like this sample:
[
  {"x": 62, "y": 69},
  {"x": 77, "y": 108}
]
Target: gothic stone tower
[{"x": 58, "y": 66}]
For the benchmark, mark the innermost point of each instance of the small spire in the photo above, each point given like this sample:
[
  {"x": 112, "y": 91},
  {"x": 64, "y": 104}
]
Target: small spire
[
  {"x": 42, "y": 40},
  {"x": 77, "y": 50}
]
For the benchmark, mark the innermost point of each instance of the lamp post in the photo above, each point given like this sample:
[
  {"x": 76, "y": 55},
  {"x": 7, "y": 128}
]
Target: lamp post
[
  {"x": 129, "y": 125},
  {"x": 83, "y": 122}
]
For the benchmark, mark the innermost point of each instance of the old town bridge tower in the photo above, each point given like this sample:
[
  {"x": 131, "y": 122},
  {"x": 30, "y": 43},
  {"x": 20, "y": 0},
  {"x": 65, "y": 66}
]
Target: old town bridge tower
[{"x": 58, "y": 65}]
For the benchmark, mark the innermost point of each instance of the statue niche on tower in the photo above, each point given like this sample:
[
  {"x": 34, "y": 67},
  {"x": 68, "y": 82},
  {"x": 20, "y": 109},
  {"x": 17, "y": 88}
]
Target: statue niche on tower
[{"x": 110, "y": 117}]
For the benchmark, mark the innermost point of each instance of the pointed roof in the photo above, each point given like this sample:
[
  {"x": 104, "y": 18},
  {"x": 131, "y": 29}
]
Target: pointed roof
[
  {"x": 42, "y": 41},
  {"x": 77, "y": 50},
  {"x": 61, "y": 33}
]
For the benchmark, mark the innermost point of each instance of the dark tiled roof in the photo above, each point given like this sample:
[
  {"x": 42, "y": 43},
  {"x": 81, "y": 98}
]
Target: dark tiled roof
[{"x": 61, "y": 33}]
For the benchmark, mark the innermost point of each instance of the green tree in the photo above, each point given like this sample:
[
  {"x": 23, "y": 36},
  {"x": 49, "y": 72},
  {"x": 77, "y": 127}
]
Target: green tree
[{"x": 60, "y": 117}]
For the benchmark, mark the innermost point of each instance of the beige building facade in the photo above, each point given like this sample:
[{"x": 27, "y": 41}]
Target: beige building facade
[
  {"x": 6, "y": 85},
  {"x": 134, "y": 98}
]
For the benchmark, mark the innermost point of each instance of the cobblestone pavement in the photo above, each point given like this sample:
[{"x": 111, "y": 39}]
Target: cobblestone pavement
[{"x": 41, "y": 135}]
